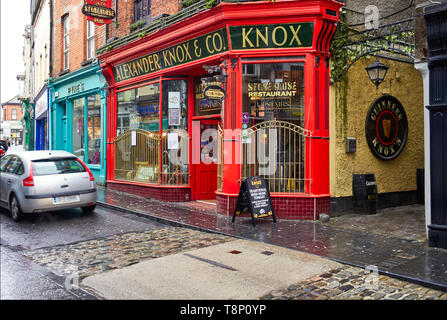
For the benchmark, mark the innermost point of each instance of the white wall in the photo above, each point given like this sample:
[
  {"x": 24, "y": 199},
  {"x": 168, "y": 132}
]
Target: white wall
[{"x": 42, "y": 47}]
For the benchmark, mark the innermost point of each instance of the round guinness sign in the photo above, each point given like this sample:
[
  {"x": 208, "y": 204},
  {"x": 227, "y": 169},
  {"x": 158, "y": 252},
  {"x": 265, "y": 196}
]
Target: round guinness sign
[{"x": 386, "y": 128}]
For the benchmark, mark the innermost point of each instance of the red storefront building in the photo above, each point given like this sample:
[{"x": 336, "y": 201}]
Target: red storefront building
[{"x": 173, "y": 135}]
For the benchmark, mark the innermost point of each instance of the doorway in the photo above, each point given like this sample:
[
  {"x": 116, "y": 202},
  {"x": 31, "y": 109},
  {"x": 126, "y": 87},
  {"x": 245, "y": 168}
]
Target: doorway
[
  {"x": 61, "y": 127},
  {"x": 205, "y": 180}
]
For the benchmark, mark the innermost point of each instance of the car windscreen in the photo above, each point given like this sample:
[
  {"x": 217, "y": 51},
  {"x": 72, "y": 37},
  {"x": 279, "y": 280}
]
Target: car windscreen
[{"x": 46, "y": 167}]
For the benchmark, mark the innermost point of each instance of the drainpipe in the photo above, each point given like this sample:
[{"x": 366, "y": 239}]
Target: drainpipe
[
  {"x": 50, "y": 104},
  {"x": 51, "y": 38}
]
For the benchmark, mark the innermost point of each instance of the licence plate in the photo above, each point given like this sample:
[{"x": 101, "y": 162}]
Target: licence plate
[{"x": 66, "y": 199}]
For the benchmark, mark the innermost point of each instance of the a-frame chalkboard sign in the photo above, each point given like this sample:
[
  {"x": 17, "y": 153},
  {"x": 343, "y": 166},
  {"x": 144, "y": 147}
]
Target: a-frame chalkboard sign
[{"x": 254, "y": 197}]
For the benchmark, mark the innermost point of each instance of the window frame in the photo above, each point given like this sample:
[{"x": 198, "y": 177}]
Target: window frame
[
  {"x": 82, "y": 127},
  {"x": 138, "y": 13},
  {"x": 160, "y": 132},
  {"x": 19, "y": 164},
  {"x": 90, "y": 35},
  {"x": 66, "y": 42},
  {"x": 87, "y": 118},
  {"x": 6, "y": 158},
  {"x": 302, "y": 174}
]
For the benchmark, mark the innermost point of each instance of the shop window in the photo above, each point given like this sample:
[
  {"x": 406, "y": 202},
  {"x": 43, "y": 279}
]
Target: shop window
[
  {"x": 144, "y": 151},
  {"x": 137, "y": 145},
  {"x": 175, "y": 140},
  {"x": 77, "y": 134},
  {"x": 273, "y": 133},
  {"x": 139, "y": 109},
  {"x": 202, "y": 105},
  {"x": 94, "y": 129}
]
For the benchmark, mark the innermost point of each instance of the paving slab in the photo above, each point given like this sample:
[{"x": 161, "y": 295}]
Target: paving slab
[{"x": 238, "y": 269}]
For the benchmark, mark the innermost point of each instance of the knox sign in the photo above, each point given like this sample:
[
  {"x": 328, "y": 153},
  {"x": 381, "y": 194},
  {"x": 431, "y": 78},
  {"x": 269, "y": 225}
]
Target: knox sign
[{"x": 278, "y": 36}]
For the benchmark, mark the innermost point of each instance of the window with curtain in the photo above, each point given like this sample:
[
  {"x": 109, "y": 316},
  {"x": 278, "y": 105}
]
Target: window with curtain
[
  {"x": 77, "y": 129},
  {"x": 94, "y": 129}
]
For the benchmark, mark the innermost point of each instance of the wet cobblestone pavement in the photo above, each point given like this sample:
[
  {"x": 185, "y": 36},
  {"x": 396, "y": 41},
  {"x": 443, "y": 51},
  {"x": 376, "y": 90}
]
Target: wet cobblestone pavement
[
  {"x": 411, "y": 220},
  {"x": 350, "y": 283},
  {"x": 408, "y": 259},
  {"x": 95, "y": 256}
]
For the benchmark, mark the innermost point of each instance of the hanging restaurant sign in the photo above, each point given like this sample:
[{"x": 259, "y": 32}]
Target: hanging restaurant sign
[
  {"x": 386, "y": 128},
  {"x": 98, "y": 11},
  {"x": 214, "y": 92},
  {"x": 292, "y": 35}
]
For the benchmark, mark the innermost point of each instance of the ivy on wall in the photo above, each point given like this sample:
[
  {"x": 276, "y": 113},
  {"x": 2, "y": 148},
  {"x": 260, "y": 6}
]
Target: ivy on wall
[{"x": 349, "y": 44}]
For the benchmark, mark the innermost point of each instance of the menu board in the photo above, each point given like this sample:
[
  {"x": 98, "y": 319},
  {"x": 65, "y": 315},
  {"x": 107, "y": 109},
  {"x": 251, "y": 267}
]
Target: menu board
[{"x": 254, "y": 197}]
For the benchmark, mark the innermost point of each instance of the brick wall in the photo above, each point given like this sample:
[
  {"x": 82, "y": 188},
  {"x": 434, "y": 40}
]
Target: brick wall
[
  {"x": 7, "y": 112},
  {"x": 165, "y": 6},
  {"x": 77, "y": 38},
  {"x": 299, "y": 208},
  {"x": 158, "y": 193},
  {"x": 120, "y": 26}
]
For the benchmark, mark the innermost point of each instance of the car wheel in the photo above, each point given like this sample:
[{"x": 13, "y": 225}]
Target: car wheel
[
  {"x": 89, "y": 209},
  {"x": 16, "y": 211}
]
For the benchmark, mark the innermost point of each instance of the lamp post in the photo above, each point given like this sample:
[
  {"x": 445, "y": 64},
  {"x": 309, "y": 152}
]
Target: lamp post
[{"x": 377, "y": 72}]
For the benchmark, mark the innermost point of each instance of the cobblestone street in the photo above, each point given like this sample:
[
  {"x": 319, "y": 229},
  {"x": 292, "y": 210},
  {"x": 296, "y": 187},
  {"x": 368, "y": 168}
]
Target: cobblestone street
[
  {"x": 118, "y": 251},
  {"x": 350, "y": 283},
  {"x": 128, "y": 240}
]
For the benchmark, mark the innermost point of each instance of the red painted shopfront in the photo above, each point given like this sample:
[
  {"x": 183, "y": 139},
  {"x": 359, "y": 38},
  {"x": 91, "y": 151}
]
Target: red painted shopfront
[{"x": 169, "y": 136}]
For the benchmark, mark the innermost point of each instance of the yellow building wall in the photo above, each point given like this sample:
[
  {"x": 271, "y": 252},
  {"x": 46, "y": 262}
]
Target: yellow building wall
[{"x": 350, "y": 100}]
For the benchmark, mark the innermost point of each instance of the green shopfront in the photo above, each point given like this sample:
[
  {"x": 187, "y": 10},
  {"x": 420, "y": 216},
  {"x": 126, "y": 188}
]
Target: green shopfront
[{"x": 78, "y": 106}]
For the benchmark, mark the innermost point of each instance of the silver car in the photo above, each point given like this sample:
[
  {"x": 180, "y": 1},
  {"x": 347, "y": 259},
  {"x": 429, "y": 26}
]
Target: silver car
[{"x": 38, "y": 181}]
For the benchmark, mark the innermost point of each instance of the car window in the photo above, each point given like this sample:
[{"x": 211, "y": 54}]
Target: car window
[
  {"x": 13, "y": 165},
  {"x": 3, "y": 163},
  {"x": 20, "y": 170},
  {"x": 57, "y": 166}
]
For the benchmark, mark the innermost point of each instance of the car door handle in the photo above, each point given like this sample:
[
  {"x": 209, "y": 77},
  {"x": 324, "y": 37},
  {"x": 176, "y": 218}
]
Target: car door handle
[
  {"x": 64, "y": 186},
  {"x": 9, "y": 181}
]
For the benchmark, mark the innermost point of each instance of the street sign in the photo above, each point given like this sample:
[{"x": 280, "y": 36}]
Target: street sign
[{"x": 254, "y": 197}]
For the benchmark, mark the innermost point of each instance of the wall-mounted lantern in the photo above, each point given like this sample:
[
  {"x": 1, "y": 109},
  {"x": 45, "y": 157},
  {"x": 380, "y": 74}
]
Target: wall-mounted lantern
[{"x": 377, "y": 72}]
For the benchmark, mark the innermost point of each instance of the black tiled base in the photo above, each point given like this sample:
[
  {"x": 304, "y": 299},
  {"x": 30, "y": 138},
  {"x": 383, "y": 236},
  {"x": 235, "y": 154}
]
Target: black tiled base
[{"x": 437, "y": 238}]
